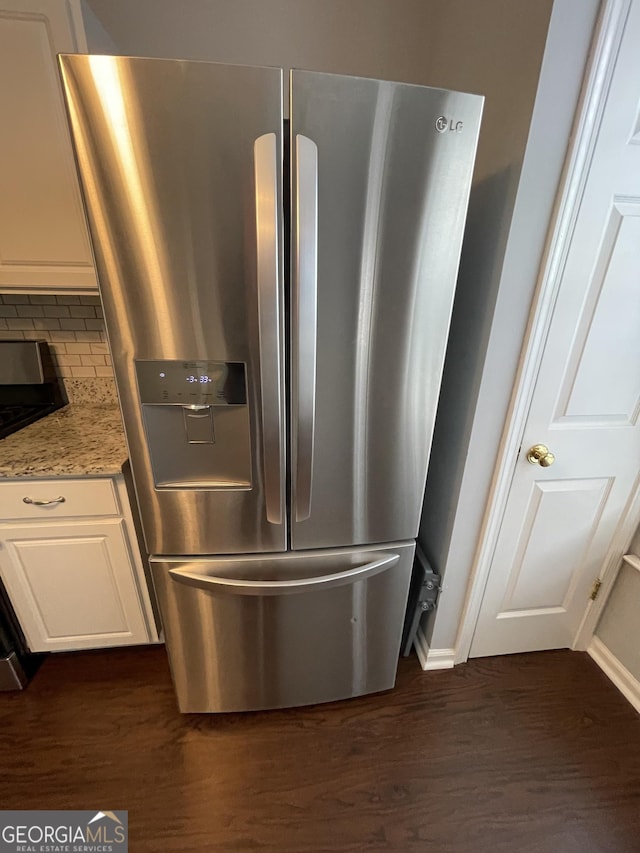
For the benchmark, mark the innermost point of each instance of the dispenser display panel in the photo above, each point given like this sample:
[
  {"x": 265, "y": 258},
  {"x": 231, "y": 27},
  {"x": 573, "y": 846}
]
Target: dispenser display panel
[
  {"x": 196, "y": 421},
  {"x": 212, "y": 383}
]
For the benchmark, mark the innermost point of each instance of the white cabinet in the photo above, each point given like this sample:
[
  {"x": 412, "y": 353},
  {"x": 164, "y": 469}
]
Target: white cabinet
[
  {"x": 74, "y": 582},
  {"x": 44, "y": 245}
]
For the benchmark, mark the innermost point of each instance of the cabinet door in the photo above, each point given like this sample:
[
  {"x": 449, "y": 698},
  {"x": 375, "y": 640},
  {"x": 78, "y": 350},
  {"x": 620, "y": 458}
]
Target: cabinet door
[
  {"x": 72, "y": 585},
  {"x": 44, "y": 243}
]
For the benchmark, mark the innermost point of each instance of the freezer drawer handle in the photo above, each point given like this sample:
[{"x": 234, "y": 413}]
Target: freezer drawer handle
[
  {"x": 237, "y": 586},
  {"x": 265, "y": 163},
  {"x": 306, "y": 296}
]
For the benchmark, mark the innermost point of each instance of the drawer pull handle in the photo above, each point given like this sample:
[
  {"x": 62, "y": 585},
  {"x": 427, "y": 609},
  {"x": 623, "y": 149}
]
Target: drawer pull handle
[{"x": 59, "y": 500}]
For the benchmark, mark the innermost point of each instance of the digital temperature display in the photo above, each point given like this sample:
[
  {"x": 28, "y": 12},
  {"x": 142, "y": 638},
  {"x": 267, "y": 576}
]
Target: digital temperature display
[{"x": 189, "y": 383}]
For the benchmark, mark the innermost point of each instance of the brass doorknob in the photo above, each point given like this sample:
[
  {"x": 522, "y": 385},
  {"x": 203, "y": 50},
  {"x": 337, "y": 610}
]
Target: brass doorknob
[{"x": 539, "y": 454}]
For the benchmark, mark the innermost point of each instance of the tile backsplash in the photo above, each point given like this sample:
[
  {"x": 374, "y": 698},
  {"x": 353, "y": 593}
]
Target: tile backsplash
[{"x": 72, "y": 325}]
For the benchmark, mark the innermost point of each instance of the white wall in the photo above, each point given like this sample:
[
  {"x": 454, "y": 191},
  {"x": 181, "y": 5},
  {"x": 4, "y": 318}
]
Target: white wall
[
  {"x": 619, "y": 624},
  {"x": 98, "y": 39}
]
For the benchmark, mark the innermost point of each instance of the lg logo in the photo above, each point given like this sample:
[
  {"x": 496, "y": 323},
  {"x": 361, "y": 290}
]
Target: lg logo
[{"x": 443, "y": 124}]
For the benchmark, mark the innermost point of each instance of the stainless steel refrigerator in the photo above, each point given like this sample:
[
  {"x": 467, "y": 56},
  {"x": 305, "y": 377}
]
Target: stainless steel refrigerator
[{"x": 278, "y": 315}]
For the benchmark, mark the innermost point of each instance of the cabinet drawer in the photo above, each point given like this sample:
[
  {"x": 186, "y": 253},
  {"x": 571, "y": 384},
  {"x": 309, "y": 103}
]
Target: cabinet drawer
[{"x": 82, "y": 498}]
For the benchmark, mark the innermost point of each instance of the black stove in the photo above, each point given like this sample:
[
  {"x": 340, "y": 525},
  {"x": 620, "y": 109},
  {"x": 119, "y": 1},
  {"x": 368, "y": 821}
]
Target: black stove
[
  {"x": 29, "y": 390},
  {"x": 29, "y": 386},
  {"x": 13, "y": 418}
]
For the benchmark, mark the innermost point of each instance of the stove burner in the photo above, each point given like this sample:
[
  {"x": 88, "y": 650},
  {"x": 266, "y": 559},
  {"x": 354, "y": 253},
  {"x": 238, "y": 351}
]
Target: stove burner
[{"x": 13, "y": 418}]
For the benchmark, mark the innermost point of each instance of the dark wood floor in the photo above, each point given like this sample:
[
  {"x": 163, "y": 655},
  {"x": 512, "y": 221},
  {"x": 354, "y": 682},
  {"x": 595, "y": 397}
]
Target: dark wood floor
[{"x": 526, "y": 753}]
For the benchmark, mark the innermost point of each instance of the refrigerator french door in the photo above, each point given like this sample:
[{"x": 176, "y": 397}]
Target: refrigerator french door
[{"x": 278, "y": 317}]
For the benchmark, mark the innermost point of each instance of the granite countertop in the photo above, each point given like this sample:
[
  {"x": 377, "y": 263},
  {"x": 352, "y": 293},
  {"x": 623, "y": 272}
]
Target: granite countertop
[{"x": 80, "y": 439}]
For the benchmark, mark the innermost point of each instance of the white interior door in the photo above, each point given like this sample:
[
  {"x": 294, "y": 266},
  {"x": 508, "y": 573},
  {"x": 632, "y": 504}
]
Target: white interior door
[{"x": 560, "y": 520}]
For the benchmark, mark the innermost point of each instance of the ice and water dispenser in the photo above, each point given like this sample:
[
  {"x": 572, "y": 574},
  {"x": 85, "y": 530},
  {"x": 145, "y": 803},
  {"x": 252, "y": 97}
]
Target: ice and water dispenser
[{"x": 197, "y": 423}]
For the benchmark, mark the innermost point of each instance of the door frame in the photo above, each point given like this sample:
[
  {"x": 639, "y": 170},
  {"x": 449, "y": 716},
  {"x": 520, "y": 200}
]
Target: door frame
[{"x": 608, "y": 35}]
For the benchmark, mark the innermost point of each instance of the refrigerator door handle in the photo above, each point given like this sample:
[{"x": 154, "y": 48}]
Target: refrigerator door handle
[
  {"x": 306, "y": 293},
  {"x": 239, "y": 586},
  {"x": 265, "y": 162}
]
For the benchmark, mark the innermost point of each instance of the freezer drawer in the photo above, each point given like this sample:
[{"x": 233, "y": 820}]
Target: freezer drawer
[{"x": 247, "y": 633}]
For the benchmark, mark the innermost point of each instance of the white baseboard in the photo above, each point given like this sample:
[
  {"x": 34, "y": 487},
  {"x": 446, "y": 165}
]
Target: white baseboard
[
  {"x": 626, "y": 683},
  {"x": 432, "y": 658}
]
